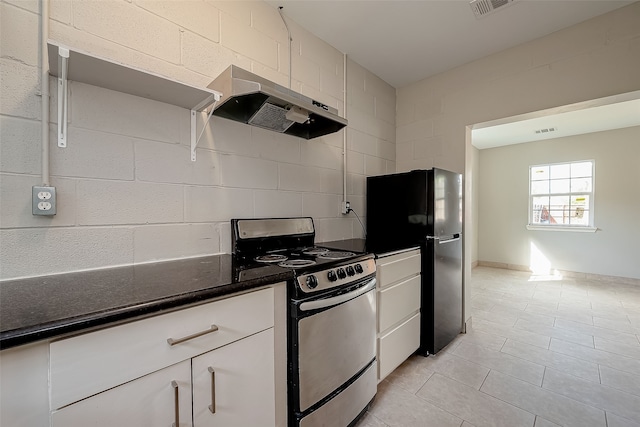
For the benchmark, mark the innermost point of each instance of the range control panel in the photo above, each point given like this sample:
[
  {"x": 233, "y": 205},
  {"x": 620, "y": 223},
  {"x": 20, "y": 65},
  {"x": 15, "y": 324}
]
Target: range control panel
[{"x": 336, "y": 276}]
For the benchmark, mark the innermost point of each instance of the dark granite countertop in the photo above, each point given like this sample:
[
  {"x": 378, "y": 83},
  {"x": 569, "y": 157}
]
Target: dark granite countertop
[
  {"x": 45, "y": 307},
  {"x": 360, "y": 245},
  {"x": 352, "y": 245}
]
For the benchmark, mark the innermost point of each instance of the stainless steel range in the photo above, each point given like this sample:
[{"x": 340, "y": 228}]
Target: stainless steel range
[{"x": 331, "y": 320}]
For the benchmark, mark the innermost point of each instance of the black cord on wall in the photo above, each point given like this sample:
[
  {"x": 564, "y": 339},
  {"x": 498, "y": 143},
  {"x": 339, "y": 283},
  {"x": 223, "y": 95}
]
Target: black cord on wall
[{"x": 361, "y": 224}]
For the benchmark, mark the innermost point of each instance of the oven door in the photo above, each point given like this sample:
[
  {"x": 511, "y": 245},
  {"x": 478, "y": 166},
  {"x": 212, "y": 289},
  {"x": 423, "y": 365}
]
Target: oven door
[{"x": 336, "y": 340}]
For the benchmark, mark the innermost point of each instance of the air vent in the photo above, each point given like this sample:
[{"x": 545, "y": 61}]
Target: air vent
[
  {"x": 484, "y": 7},
  {"x": 546, "y": 130}
]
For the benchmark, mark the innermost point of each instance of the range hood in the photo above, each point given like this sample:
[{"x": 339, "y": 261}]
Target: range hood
[{"x": 251, "y": 99}]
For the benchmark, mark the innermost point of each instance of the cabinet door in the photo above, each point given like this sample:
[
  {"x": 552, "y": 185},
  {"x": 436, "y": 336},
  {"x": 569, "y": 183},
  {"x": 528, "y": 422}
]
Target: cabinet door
[
  {"x": 146, "y": 402},
  {"x": 236, "y": 382}
]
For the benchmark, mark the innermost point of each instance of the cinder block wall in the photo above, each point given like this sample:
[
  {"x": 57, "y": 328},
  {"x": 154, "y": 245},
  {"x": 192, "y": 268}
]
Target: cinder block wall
[{"x": 127, "y": 190}]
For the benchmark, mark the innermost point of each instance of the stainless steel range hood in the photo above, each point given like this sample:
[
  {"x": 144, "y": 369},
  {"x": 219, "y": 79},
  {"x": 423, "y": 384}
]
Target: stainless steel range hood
[{"x": 251, "y": 99}]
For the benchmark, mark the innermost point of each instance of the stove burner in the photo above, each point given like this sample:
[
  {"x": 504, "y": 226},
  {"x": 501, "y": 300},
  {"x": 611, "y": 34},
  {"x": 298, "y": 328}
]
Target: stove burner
[
  {"x": 297, "y": 263},
  {"x": 314, "y": 251},
  {"x": 271, "y": 258},
  {"x": 336, "y": 255}
]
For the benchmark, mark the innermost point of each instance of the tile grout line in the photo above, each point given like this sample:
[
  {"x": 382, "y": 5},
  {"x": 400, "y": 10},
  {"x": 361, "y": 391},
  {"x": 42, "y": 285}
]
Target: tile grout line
[
  {"x": 569, "y": 398},
  {"x": 615, "y": 387},
  {"x": 592, "y": 335},
  {"x": 599, "y": 374},
  {"x": 514, "y": 405},
  {"x": 523, "y": 342},
  {"x": 438, "y": 406},
  {"x": 595, "y": 349},
  {"x": 485, "y": 379},
  {"x": 606, "y": 411}
]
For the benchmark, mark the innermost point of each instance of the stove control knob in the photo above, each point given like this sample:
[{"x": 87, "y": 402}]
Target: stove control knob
[
  {"x": 359, "y": 269},
  {"x": 341, "y": 273},
  {"x": 331, "y": 275},
  {"x": 350, "y": 271},
  {"x": 312, "y": 282}
]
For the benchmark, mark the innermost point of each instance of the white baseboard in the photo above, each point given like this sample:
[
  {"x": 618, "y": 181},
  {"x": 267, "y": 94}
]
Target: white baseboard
[{"x": 564, "y": 273}]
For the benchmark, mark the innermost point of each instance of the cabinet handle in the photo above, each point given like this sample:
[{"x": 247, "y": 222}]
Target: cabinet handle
[
  {"x": 171, "y": 341},
  {"x": 212, "y": 407},
  {"x": 174, "y": 384}
]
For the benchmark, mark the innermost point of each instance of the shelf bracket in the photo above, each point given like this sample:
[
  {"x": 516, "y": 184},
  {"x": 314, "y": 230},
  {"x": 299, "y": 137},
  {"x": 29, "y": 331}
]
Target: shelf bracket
[
  {"x": 194, "y": 142},
  {"x": 63, "y": 67},
  {"x": 211, "y": 102}
]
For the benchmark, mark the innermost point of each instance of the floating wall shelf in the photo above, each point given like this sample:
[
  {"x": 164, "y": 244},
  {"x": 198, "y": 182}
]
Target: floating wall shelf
[{"x": 69, "y": 64}]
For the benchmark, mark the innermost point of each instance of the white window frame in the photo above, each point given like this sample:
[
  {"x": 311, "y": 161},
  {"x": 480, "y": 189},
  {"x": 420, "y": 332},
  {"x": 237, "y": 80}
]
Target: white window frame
[{"x": 565, "y": 227}]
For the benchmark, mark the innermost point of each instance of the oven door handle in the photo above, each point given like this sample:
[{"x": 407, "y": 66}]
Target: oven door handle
[{"x": 328, "y": 302}]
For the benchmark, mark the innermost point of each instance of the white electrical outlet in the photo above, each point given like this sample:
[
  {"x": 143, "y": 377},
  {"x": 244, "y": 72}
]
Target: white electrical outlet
[
  {"x": 346, "y": 207},
  {"x": 43, "y": 200}
]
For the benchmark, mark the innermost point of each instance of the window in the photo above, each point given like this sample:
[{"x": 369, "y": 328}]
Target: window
[{"x": 561, "y": 196}]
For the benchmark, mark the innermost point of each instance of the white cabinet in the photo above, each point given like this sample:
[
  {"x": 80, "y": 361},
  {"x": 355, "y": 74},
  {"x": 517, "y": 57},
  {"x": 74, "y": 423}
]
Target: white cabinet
[
  {"x": 235, "y": 380},
  {"x": 88, "y": 364},
  {"x": 145, "y": 372},
  {"x": 398, "y": 328}
]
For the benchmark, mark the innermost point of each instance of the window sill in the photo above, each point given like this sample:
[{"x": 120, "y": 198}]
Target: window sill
[{"x": 562, "y": 228}]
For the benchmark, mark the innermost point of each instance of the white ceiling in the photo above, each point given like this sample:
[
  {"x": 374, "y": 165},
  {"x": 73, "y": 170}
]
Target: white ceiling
[{"x": 404, "y": 41}]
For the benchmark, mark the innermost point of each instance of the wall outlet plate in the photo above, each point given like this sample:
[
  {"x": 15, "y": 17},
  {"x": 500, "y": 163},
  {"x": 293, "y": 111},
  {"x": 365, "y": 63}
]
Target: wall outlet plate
[{"x": 43, "y": 200}]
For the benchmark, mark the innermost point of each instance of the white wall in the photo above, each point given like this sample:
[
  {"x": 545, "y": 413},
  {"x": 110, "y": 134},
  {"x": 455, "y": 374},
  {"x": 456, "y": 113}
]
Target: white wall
[
  {"x": 127, "y": 190},
  {"x": 503, "y": 205},
  {"x": 594, "y": 59}
]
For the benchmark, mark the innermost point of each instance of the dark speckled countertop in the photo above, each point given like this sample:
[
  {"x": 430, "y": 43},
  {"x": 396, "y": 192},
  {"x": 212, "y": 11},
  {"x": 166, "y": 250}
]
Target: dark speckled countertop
[
  {"x": 45, "y": 307},
  {"x": 352, "y": 245}
]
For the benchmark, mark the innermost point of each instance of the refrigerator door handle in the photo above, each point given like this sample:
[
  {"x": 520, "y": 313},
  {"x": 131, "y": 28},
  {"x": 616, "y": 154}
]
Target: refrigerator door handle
[{"x": 453, "y": 238}]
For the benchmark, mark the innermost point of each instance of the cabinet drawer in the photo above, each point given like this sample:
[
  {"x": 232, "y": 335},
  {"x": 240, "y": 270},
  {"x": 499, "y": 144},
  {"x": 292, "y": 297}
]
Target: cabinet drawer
[
  {"x": 398, "y": 267},
  {"x": 397, "y": 345},
  {"x": 397, "y": 302},
  {"x": 88, "y": 364}
]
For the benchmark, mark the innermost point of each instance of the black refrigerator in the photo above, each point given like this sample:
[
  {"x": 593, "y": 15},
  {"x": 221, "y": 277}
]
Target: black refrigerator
[{"x": 423, "y": 208}]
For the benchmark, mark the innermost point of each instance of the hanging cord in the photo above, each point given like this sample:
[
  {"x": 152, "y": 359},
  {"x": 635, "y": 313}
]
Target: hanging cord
[
  {"x": 361, "y": 224},
  {"x": 290, "y": 40}
]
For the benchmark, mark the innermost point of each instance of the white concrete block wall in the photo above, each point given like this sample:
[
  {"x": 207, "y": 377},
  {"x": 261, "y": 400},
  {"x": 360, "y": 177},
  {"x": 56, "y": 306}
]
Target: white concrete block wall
[{"x": 127, "y": 190}]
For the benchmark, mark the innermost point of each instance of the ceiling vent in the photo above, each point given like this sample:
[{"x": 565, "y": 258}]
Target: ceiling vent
[
  {"x": 485, "y": 7},
  {"x": 546, "y": 130}
]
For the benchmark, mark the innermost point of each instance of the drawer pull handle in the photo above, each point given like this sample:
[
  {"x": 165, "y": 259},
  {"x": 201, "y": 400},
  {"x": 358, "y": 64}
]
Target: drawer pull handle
[
  {"x": 212, "y": 407},
  {"x": 176, "y": 403},
  {"x": 171, "y": 341}
]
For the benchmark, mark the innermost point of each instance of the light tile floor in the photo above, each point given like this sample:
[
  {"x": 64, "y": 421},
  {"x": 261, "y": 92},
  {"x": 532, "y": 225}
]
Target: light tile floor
[{"x": 542, "y": 353}]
